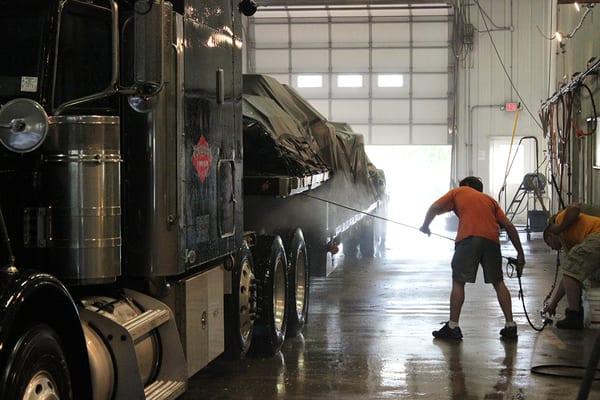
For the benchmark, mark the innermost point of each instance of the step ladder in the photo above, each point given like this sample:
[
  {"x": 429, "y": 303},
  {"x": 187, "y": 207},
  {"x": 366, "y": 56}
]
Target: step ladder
[{"x": 532, "y": 186}]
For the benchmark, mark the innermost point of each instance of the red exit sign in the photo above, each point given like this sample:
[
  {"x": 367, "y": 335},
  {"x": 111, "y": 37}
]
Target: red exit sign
[{"x": 512, "y": 107}]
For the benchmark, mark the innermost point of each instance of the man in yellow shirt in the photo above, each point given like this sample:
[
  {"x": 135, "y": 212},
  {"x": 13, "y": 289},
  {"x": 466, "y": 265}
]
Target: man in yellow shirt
[{"x": 579, "y": 235}]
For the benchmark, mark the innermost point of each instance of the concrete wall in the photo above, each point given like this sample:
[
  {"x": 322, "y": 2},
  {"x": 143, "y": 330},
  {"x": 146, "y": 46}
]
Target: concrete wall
[
  {"x": 573, "y": 57},
  {"x": 483, "y": 86}
]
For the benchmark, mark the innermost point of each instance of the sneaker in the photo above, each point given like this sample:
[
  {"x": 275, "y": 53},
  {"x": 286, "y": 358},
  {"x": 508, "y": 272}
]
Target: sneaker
[
  {"x": 509, "y": 332},
  {"x": 573, "y": 320},
  {"x": 448, "y": 333}
]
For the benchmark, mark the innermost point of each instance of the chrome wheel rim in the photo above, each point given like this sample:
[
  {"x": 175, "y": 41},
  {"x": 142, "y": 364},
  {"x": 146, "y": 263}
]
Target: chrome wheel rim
[
  {"x": 279, "y": 295},
  {"x": 245, "y": 304},
  {"x": 41, "y": 387},
  {"x": 300, "y": 284}
]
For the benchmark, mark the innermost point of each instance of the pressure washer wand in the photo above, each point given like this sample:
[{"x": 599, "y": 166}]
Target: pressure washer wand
[{"x": 372, "y": 215}]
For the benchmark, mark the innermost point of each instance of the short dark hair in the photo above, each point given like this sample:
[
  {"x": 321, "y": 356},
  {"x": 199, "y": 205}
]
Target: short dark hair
[{"x": 472, "y": 181}]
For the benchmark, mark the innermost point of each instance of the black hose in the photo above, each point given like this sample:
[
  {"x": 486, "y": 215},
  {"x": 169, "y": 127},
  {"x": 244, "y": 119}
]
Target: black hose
[
  {"x": 595, "y": 118},
  {"x": 512, "y": 264},
  {"x": 558, "y": 191},
  {"x": 551, "y": 370}
]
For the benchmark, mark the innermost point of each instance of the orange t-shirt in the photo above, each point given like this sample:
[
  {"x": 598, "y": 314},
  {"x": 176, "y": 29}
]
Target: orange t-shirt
[
  {"x": 583, "y": 226},
  {"x": 478, "y": 214}
]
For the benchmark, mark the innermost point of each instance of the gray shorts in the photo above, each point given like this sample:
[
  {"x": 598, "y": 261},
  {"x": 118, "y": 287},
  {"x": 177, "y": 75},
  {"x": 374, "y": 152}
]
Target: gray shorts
[{"x": 472, "y": 251}]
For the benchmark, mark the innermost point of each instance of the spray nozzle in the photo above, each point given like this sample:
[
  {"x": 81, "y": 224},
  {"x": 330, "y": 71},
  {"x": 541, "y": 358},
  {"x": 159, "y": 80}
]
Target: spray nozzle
[
  {"x": 513, "y": 262},
  {"x": 547, "y": 318}
]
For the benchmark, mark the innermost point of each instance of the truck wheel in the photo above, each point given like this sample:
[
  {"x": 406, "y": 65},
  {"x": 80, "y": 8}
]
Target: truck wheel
[
  {"x": 272, "y": 277},
  {"x": 240, "y": 306},
  {"x": 367, "y": 240},
  {"x": 298, "y": 272},
  {"x": 37, "y": 368}
]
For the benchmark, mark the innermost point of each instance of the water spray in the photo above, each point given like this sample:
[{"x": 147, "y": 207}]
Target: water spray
[{"x": 373, "y": 215}]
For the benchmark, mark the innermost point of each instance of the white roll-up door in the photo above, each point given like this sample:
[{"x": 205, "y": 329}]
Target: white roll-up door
[{"x": 386, "y": 72}]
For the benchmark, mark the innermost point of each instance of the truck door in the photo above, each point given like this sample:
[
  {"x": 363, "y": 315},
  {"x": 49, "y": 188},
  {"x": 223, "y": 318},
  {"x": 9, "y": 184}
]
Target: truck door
[{"x": 212, "y": 166}]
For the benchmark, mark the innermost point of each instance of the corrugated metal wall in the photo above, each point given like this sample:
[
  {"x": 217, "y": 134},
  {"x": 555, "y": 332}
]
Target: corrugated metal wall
[
  {"x": 484, "y": 87},
  {"x": 573, "y": 57}
]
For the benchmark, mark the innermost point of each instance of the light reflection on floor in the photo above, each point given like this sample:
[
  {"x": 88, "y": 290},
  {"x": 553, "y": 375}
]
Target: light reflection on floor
[{"x": 369, "y": 337}]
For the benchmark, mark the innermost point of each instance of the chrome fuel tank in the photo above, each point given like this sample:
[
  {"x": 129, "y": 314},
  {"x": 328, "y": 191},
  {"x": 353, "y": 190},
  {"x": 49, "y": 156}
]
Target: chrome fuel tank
[{"x": 79, "y": 224}]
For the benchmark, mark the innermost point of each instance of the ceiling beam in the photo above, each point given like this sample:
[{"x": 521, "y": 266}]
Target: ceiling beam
[{"x": 580, "y": 2}]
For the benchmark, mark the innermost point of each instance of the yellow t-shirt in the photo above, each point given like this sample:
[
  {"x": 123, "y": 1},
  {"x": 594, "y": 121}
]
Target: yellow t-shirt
[{"x": 584, "y": 226}]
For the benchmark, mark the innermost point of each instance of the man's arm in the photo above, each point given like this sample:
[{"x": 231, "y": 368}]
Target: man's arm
[
  {"x": 560, "y": 293},
  {"x": 513, "y": 235},
  {"x": 433, "y": 211},
  {"x": 571, "y": 215}
]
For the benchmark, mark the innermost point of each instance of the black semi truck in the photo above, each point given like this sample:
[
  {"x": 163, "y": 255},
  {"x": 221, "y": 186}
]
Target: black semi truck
[{"x": 126, "y": 264}]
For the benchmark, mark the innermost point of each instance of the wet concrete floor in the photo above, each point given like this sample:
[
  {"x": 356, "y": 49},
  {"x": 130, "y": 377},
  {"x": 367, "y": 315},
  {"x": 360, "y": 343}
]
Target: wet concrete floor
[{"x": 369, "y": 337}]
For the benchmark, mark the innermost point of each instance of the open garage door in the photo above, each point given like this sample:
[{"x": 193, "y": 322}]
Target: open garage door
[{"x": 386, "y": 70}]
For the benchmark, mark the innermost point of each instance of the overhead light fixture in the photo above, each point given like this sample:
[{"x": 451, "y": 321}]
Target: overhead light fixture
[
  {"x": 577, "y": 6},
  {"x": 558, "y": 37}
]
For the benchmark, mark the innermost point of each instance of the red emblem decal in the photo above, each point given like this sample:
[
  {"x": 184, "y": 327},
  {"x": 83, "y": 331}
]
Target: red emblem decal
[{"x": 202, "y": 158}]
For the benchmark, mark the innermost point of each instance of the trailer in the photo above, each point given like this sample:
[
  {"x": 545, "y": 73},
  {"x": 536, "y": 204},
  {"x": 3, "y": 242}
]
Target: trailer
[
  {"x": 317, "y": 171},
  {"x": 126, "y": 263}
]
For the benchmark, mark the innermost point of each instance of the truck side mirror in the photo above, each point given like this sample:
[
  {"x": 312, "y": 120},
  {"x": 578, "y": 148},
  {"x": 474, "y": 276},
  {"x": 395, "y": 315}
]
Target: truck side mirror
[
  {"x": 70, "y": 54},
  {"x": 23, "y": 125},
  {"x": 145, "y": 99},
  {"x": 149, "y": 53}
]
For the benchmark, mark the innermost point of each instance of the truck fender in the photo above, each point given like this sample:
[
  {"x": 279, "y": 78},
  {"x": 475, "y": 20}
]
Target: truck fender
[{"x": 29, "y": 297}]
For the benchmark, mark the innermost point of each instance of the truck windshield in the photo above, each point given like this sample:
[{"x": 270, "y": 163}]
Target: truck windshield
[{"x": 22, "y": 27}]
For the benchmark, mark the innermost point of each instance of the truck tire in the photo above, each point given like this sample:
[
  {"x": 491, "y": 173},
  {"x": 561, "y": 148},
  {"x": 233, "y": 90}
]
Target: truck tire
[
  {"x": 240, "y": 306},
  {"x": 367, "y": 239},
  {"x": 298, "y": 272},
  {"x": 272, "y": 294},
  {"x": 37, "y": 367}
]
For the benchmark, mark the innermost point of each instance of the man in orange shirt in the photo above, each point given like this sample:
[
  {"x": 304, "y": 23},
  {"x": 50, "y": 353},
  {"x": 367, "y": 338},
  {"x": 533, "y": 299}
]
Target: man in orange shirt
[
  {"x": 579, "y": 234},
  {"x": 477, "y": 242}
]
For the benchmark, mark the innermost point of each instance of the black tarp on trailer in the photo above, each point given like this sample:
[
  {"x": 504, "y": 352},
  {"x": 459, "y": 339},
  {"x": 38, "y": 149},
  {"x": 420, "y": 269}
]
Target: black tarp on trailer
[{"x": 285, "y": 138}]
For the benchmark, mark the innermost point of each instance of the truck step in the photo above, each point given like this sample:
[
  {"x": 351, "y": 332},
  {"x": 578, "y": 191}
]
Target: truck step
[
  {"x": 164, "y": 390},
  {"x": 145, "y": 322}
]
